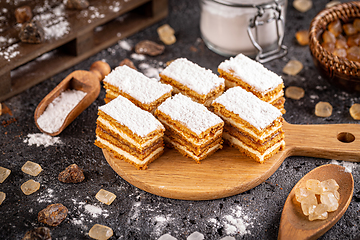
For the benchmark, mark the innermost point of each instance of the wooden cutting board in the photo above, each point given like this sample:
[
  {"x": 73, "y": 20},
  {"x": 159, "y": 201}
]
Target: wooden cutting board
[{"x": 228, "y": 172}]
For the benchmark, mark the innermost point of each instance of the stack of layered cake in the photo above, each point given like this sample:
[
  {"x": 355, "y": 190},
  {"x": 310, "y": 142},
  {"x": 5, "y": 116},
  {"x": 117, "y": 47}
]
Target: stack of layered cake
[
  {"x": 130, "y": 133},
  {"x": 255, "y": 78},
  {"x": 190, "y": 127},
  {"x": 251, "y": 125},
  {"x": 188, "y": 78},
  {"x": 144, "y": 92}
]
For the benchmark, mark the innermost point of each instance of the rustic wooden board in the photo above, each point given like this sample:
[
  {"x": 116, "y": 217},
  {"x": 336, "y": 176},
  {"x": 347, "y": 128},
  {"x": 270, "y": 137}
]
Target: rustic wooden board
[
  {"x": 84, "y": 40},
  {"x": 228, "y": 172}
]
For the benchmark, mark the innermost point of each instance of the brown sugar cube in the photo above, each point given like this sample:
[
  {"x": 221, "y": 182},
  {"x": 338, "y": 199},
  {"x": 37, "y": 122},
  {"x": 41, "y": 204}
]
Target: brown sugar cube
[
  {"x": 53, "y": 214},
  {"x": 149, "y": 47},
  {"x": 72, "y": 174},
  {"x": 32, "y": 32},
  {"x": 23, "y": 14}
]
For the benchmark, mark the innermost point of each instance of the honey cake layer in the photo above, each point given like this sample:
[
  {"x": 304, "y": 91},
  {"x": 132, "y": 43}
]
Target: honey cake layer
[
  {"x": 193, "y": 139},
  {"x": 189, "y": 117},
  {"x": 190, "y": 78},
  {"x": 112, "y": 93},
  {"x": 200, "y": 98},
  {"x": 138, "y": 124},
  {"x": 269, "y": 96},
  {"x": 244, "y": 110},
  {"x": 123, "y": 155},
  {"x": 127, "y": 80},
  {"x": 252, "y": 153},
  {"x": 126, "y": 146},
  {"x": 125, "y": 134},
  {"x": 261, "y": 147},
  {"x": 195, "y": 149},
  {"x": 184, "y": 151},
  {"x": 251, "y": 72}
]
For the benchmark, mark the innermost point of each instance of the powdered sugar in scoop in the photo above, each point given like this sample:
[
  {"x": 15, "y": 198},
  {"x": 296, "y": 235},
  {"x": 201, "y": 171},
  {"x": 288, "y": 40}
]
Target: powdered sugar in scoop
[
  {"x": 192, "y": 114},
  {"x": 250, "y": 108},
  {"x": 54, "y": 115}
]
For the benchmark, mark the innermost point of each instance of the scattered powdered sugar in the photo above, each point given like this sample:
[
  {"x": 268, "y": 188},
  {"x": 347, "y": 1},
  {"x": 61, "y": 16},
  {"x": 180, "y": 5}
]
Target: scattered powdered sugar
[
  {"x": 137, "y": 56},
  {"x": 115, "y": 7},
  {"x": 252, "y": 72},
  {"x": 54, "y": 115},
  {"x": 135, "y": 210},
  {"x": 228, "y": 238},
  {"x": 349, "y": 166},
  {"x": 160, "y": 222},
  {"x": 41, "y": 139},
  {"x": 137, "y": 85},
  {"x": 234, "y": 223},
  {"x": 192, "y": 114},
  {"x": 149, "y": 71},
  {"x": 125, "y": 45},
  {"x": 197, "y": 78},
  {"x": 128, "y": 114},
  {"x": 10, "y": 52},
  {"x": 250, "y": 108},
  {"x": 95, "y": 211},
  {"x": 54, "y": 22},
  {"x": 47, "y": 196}
]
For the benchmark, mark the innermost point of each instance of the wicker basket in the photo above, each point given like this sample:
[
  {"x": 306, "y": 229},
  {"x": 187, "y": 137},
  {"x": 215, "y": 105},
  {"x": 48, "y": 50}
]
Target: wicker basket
[{"x": 339, "y": 71}]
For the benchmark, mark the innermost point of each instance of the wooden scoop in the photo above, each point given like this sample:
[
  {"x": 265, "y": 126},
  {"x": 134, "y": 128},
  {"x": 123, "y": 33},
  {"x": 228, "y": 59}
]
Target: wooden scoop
[
  {"x": 295, "y": 225},
  {"x": 86, "y": 81}
]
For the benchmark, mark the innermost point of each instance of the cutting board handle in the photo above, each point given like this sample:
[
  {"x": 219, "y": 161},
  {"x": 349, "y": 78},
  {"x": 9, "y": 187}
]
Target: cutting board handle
[{"x": 332, "y": 141}]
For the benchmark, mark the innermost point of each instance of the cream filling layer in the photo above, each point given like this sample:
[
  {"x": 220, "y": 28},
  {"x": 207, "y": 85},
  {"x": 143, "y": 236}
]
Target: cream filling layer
[
  {"x": 207, "y": 102},
  {"x": 112, "y": 94},
  {"x": 127, "y": 155},
  {"x": 194, "y": 141},
  {"x": 249, "y": 131},
  {"x": 189, "y": 152},
  {"x": 123, "y": 135},
  {"x": 239, "y": 143}
]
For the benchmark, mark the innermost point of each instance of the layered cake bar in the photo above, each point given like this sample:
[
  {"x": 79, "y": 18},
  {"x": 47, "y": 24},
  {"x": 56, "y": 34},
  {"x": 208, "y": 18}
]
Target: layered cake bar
[
  {"x": 190, "y": 127},
  {"x": 253, "y": 77},
  {"x": 144, "y": 92},
  {"x": 251, "y": 125},
  {"x": 188, "y": 78},
  {"x": 130, "y": 133}
]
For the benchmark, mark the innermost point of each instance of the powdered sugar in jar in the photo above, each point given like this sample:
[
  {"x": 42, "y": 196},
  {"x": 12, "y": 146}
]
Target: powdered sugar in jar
[{"x": 252, "y": 27}]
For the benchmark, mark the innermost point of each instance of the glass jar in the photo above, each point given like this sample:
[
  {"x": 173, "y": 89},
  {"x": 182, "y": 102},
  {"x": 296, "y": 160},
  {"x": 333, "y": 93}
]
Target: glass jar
[{"x": 252, "y": 27}]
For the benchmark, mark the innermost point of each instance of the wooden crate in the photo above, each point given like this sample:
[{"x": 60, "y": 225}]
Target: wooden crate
[{"x": 33, "y": 63}]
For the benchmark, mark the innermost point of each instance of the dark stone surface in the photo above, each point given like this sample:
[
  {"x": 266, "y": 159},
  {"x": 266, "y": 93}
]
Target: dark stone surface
[{"x": 136, "y": 214}]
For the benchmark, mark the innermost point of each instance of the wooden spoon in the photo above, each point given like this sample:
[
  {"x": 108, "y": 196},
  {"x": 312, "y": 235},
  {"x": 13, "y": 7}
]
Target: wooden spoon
[
  {"x": 295, "y": 225},
  {"x": 86, "y": 81}
]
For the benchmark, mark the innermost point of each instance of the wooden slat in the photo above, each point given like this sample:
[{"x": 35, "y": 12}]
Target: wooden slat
[{"x": 82, "y": 42}]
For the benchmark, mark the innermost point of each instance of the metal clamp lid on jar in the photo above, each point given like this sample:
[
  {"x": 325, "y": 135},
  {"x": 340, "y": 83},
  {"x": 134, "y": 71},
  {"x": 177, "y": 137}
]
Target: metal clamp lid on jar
[{"x": 264, "y": 56}]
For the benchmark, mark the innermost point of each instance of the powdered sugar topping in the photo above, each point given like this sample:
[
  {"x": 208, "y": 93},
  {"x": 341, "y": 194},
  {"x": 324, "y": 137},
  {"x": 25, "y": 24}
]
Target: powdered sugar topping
[
  {"x": 193, "y": 115},
  {"x": 247, "y": 106},
  {"x": 199, "y": 79},
  {"x": 252, "y": 72},
  {"x": 56, "y": 112},
  {"x": 126, "y": 113},
  {"x": 136, "y": 84}
]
